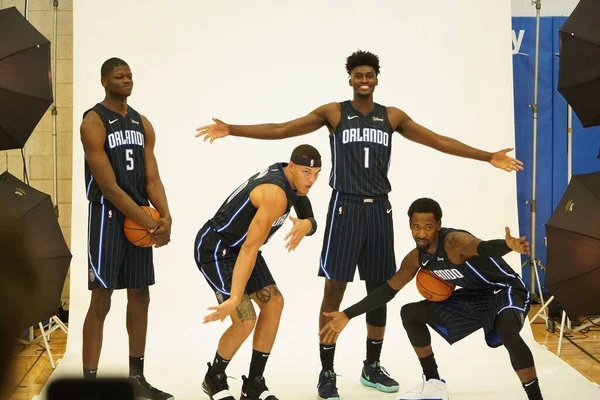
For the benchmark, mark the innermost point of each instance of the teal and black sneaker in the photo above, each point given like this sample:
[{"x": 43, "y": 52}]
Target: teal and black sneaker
[
  {"x": 326, "y": 386},
  {"x": 377, "y": 377}
]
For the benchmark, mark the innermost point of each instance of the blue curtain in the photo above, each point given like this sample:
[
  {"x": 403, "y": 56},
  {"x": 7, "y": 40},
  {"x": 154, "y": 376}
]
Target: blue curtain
[{"x": 551, "y": 162}]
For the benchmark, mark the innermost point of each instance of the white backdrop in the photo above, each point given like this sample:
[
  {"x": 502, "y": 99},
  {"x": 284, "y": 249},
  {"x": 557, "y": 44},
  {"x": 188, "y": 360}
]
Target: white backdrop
[{"x": 447, "y": 64}]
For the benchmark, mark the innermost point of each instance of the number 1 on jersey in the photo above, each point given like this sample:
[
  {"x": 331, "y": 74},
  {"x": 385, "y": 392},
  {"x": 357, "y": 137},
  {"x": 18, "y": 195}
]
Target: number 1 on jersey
[{"x": 366, "y": 157}]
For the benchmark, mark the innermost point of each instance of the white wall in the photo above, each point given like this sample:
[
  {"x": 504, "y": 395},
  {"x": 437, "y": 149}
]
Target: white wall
[{"x": 549, "y": 8}]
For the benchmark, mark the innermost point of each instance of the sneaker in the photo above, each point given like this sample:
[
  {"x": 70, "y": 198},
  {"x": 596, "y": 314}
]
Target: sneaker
[
  {"x": 432, "y": 389},
  {"x": 144, "y": 391},
  {"x": 327, "y": 387},
  {"x": 216, "y": 387},
  {"x": 256, "y": 389},
  {"x": 377, "y": 377}
]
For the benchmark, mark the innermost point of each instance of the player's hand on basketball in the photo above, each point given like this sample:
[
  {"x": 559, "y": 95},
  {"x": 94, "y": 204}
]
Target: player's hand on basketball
[
  {"x": 162, "y": 235},
  {"x": 296, "y": 234},
  {"x": 331, "y": 331},
  {"x": 520, "y": 245},
  {"x": 222, "y": 311},
  {"x": 501, "y": 160},
  {"x": 213, "y": 131}
]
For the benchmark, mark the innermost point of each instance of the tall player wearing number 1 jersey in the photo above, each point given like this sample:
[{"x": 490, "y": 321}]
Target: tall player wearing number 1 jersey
[
  {"x": 121, "y": 174},
  {"x": 359, "y": 227}
]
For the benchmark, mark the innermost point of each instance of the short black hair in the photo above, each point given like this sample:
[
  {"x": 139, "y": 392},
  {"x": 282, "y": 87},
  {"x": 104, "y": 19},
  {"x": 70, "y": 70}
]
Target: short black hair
[
  {"x": 360, "y": 57},
  {"x": 307, "y": 151},
  {"x": 109, "y": 66},
  {"x": 425, "y": 205}
]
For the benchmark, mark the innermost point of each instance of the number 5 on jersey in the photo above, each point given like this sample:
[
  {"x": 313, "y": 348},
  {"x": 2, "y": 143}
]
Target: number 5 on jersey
[{"x": 129, "y": 159}]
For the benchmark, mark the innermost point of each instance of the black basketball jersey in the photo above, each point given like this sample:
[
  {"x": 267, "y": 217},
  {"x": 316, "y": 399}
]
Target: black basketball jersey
[
  {"x": 361, "y": 147},
  {"x": 476, "y": 273},
  {"x": 124, "y": 146},
  {"x": 234, "y": 216}
]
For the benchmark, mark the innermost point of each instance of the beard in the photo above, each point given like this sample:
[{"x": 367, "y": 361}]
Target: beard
[{"x": 422, "y": 246}]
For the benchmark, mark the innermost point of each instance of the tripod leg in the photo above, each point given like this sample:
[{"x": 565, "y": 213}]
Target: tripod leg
[
  {"x": 562, "y": 332},
  {"x": 43, "y": 333},
  {"x": 539, "y": 284},
  {"x": 61, "y": 324},
  {"x": 542, "y": 310}
]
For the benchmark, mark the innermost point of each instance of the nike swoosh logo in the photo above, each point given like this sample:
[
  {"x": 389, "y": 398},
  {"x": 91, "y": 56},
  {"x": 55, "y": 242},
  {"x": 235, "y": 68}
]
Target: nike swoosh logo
[
  {"x": 327, "y": 348},
  {"x": 265, "y": 355},
  {"x": 352, "y": 116},
  {"x": 377, "y": 342},
  {"x": 497, "y": 291},
  {"x": 425, "y": 263},
  {"x": 113, "y": 121},
  {"x": 388, "y": 211}
]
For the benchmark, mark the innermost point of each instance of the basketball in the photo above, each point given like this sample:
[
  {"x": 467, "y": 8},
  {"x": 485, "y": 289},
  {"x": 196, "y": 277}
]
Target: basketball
[
  {"x": 433, "y": 288},
  {"x": 137, "y": 235}
]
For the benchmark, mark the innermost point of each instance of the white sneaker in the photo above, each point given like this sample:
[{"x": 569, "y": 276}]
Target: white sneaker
[{"x": 432, "y": 389}]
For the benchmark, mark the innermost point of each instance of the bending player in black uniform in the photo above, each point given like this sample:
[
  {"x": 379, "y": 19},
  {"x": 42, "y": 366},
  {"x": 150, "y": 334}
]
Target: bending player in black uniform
[
  {"x": 121, "y": 175},
  {"x": 359, "y": 227},
  {"x": 227, "y": 253},
  {"x": 492, "y": 297}
]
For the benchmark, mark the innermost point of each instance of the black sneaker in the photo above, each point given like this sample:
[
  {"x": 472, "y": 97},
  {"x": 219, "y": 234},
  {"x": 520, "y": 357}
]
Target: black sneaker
[
  {"x": 256, "y": 389},
  {"x": 144, "y": 391},
  {"x": 327, "y": 386},
  {"x": 377, "y": 377},
  {"x": 216, "y": 386}
]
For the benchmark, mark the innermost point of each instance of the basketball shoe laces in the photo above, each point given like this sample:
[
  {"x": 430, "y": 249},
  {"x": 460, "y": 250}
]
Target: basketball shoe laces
[
  {"x": 329, "y": 383},
  {"x": 381, "y": 374}
]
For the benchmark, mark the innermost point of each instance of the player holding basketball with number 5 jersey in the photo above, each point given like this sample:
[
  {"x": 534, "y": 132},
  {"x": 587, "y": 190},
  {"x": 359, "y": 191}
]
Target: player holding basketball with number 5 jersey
[
  {"x": 121, "y": 174},
  {"x": 359, "y": 229},
  {"x": 492, "y": 297}
]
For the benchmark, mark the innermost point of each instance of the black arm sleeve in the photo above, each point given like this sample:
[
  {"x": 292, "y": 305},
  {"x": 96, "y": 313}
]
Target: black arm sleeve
[
  {"x": 304, "y": 211},
  {"x": 375, "y": 299},
  {"x": 493, "y": 248}
]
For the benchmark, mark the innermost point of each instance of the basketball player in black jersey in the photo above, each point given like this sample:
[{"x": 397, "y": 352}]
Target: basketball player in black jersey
[
  {"x": 359, "y": 227},
  {"x": 121, "y": 175},
  {"x": 227, "y": 253},
  {"x": 492, "y": 296}
]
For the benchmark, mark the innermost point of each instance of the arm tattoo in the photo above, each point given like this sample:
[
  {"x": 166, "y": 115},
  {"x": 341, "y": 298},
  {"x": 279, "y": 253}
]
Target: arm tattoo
[
  {"x": 452, "y": 242},
  {"x": 245, "y": 310}
]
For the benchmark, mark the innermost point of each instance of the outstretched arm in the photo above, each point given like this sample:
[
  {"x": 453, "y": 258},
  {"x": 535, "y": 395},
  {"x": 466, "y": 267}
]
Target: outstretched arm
[
  {"x": 270, "y": 202},
  {"x": 377, "y": 298},
  {"x": 93, "y": 136},
  {"x": 461, "y": 246},
  {"x": 419, "y": 134},
  {"x": 309, "y": 123}
]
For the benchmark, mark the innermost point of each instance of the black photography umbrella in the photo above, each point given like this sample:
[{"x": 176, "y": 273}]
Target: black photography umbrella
[
  {"x": 25, "y": 79},
  {"x": 579, "y": 64},
  {"x": 573, "y": 265},
  {"x": 28, "y": 220}
]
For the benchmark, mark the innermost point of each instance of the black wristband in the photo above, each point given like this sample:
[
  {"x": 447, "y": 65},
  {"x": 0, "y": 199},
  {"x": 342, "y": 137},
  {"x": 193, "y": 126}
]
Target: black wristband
[
  {"x": 493, "y": 248},
  {"x": 313, "y": 222},
  {"x": 375, "y": 299}
]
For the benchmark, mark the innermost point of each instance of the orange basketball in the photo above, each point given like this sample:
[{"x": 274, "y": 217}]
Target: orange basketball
[
  {"x": 137, "y": 235},
  {"x": 432, "y": 287}
]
